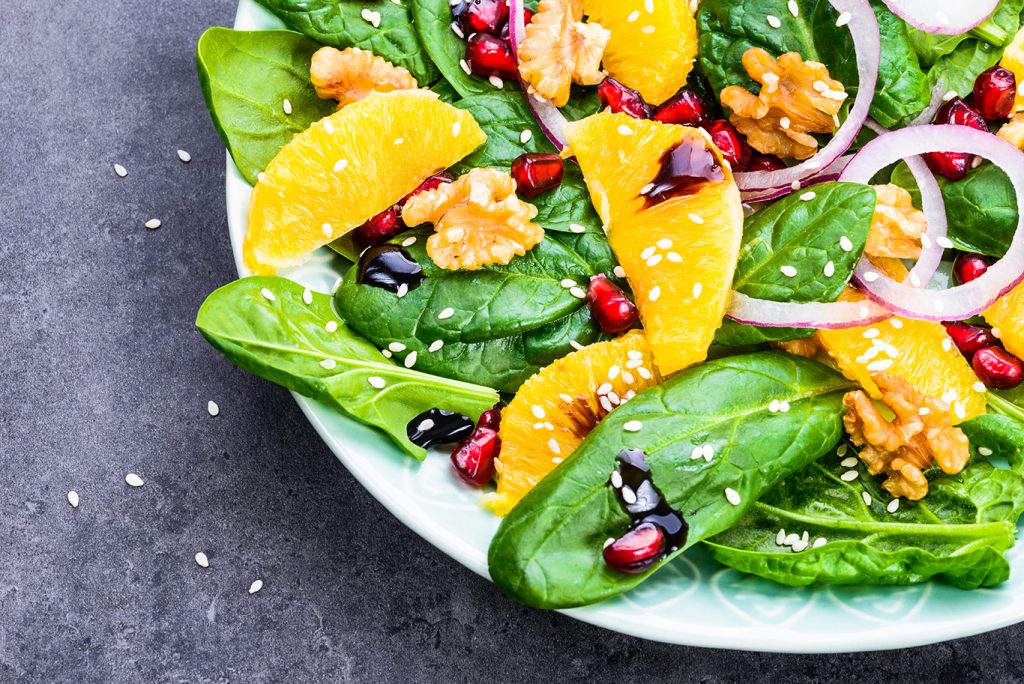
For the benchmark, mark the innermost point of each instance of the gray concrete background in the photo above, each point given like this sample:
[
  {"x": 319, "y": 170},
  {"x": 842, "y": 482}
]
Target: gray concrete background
[{"x": 102, "y": 373}]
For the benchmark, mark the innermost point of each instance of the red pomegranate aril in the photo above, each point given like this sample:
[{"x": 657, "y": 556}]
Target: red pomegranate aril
[
  {"x": 537, "y": 173},
  {"x": 968, "y": 267},
  {"x": 995, "y": 91},
  {"x": 506, "y": 30},
  {"x": 491, "y": 56},
  {"x": 734, "y": 148},
  {"x": 687, "y": 109},
  {"x": 955, "y": 165},
  {"x": 613, "y": 310},
  {"x": 637, "y": 550},
  {"x": 620, "y": 98},
  {"x": 970, "y": 338},
  {"x": 765, "y": 162},
  {"x": 998, "y": 368},
  {"x": 474, "y": 459},
  {"x": 481, "y": 16},
  {"x": 951, "y": 165},
  {"x": 491, "y": 418},
  {"x": 380, "y": 228}
]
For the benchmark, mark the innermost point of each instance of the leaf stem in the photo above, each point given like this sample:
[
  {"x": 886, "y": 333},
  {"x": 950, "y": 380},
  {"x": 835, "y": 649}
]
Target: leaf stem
[{"x": 991, "y": 33}]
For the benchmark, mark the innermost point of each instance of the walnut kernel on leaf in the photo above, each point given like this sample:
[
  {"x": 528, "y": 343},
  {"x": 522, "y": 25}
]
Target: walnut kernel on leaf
[
  {"x": 797, "y": 98},
  {"x": 351, "y": 74},
  {"x": 559, "y": 49},
  {"x": 478, "y": 220},
  {"x": 897, "y": 226},
  {"x": 921, "y": 434}
]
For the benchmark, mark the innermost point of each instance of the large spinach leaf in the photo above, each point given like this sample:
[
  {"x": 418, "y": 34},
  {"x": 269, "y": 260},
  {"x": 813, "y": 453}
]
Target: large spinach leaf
[
  {"x": 498, "y": 325},
  {"x": 340, "y": 23},
  {"x": 246, "y": 76},
  {"x": 803, "y": 234},
  {"x": 433, "y": 22},
  {"x": 547, "y": 552},
  {"x": 728, "y": 29},
  {"x": 958, "y": 70},
  {"x": 297, "y": 340},
  {"x": 959, "y": 531},
  {"x": 981, "y": 208}
]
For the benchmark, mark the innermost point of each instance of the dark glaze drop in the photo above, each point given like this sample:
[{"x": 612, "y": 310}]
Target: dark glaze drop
[
  {"x": 685, "y": 170},
  {"x": 437, "y": 426},
  {"x": 649, "y": 505},
  {"x": 389, "y": 267}
]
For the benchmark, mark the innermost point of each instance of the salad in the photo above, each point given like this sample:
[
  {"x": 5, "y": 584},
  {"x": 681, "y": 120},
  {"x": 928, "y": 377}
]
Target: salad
[{"x": 654, "y": 274}]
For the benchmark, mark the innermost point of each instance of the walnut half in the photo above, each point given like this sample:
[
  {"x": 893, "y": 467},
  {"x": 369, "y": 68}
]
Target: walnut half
[
  {"x": 921, "y": 434},
  {"x": 797, "y": 98},
  {"x": 897, "y": 226},
  {"x": 351, "y": 74}
]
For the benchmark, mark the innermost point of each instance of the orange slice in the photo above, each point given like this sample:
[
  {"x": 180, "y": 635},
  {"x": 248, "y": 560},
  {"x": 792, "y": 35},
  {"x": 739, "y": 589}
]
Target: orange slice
[{"x": 1006, "y": 317}]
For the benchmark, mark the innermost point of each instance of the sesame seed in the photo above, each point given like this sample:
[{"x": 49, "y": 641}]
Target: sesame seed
[
  {"x": 328, "y": 127},
  {"x": 425, "y": 424},
  {"x": 435, "y": 346},
  {"x": 633, "y": 426},
  {"x": 575, "y": 345},
  {"x": 566, "y": 398},
  {"x": 409, "y": 241},
  {"x": 578, "y": 292},
  {"x": 399, "y": 141},
  {"x": 649, "y": 6},
  {"x": 376, "y": 382},
  {"x": 654, "y": 293},
  {"x": 258, "y": 584},
  {"x": 896, "y": 323},
  {"x": 654, "y": 260},
  {"x": 446, "y": 313},
  {"x": 697, "y": 453},
  {"x": 788, "y": 271},
  {"x": 616, "y": 479},
  {"x": 606, "y": 403},
  {"x": 872, "y": 333},
  {"x": 456, "y": 128},
  {"x": 893, "y": 506},
  {"x": 307, "y": 296},
  {"x": 262, "y": 177},
  {"x": 120, "y": 170},
  {"x": 697, "y": 289},
  {"x": 268, "y": 295},
  {"x": 695, "y": 218},
  {"x": 799, "y": 546},
  {"x": 773, "y": 21},
  {"x": 287, "y": 106},
  {"x": 201, "y": 560},
  {"x": 605, "y": 388},
  {"x": 633, "y": 16},
  {"x": 708, "y": 452},
  {"x": 979, "y": 387},
  {"x": 496, "y": 82},
  {"x": 844, "y": 19},
  {"x": 554, "y": 446},
  {"x": 613, "y": 372},
  {"x": 674, "y": 257},
  {"x": 870, "y": 277},
  {"x": 732, "y": 496},
  {"x": 538, "y": 411},
  {"x": 340, "y": 165},
  {"x": 403, "y": 290},
  {"x": 526, "y": 136},
  {"x": 73, "y": 498},
  {"x": 153, "y": 224},
  {"x": 780, "y": 538},
  {"x": 808, "y": 196},
  {"x": 947, "y": 344},
  {"x": 457, "y": 30},
  {"x": 664, "y": 243},
  {"x": 133, "y": 480},
  {"x": 785, "y": 123},
  {"x": 792, "y": 538},
  {"x": 577, "y": 228},
  {"x": 849, "y": 476},
  {"x": 647, "y": 29},
  {"x": 866, "y": 497},
  {"x": 328, "y": 364},
  {"x": 849, "y": 462},
  {"x": 184, "y": 156},
  {"x": 647, "y": 188},
  {"x": 465, "y": 66},
  {"x": 794, "y": 9},
  {"x": 625, "y": 130},
  {"x": 944, "y": 242},
  {"x": 984, "y": 451},
  {"x": 842, "y": 450},
  {"x": 619, "y": 272},
  {"x": 628, "y": 495},
  {"x": 327, "y": 229},
  {"x": 845, "y": 244},
  {"x": 830, "y": 269},
  {"x": 821, "y": 541},
  {"x": 397, "y": 347},
  {"x": 647, "y": 253},
  {"x": 880, "y": 366},
  {"x": 212, "y": 408},
  {"x": 997, "y": 333}
]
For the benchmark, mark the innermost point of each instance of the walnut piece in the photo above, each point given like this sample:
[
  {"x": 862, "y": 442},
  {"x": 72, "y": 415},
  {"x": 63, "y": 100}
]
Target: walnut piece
[
  {"x": 797, "y": 98},
  {"x": 897, "y": 226},
  {"x": 559, "y": 50},
  {"x": 1013, "y": 131},
  {"x": 478, "y": 220},
  {"x": 351, "y": 74},
  {"x": 921, "y": 434}
]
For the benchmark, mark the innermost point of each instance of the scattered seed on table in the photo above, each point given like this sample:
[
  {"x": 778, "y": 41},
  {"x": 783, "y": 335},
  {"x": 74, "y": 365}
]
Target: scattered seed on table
[
  {"x": 120, "y": 170},
  {"x": 202, "y": 561},
  {"x": 153, "y": 224},
  {"x": 184, "y": 156},
  {"x": 73, "y": 498},
  {"x": 255, "y": 586},
  {"x": 133, "y": 480},
  {"x": 212, "y": 408}
]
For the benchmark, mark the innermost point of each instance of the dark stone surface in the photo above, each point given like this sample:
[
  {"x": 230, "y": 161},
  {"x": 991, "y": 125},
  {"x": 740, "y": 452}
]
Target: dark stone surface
[{"x": 104, "y": 374}]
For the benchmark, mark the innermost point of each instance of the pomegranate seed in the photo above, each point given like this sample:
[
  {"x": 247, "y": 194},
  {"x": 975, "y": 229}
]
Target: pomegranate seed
[
  {"x": 474, "y": 458},
  {"x": 765, "y": 162},
  {"x": 491, "y": 418},
  {"x": 968, "y": 267},
  {"x": 380, "y": 228},
  {"x": 506, "y": 30},
  {"x": 970, "y": 338},
  {"x": 998, "y": 368},
  {"x": 955, "y": 165},
  {"x": 637, "y": 550},
  {"x": 734, "y": 148},
  {"x": 995, "y": 91},
  {"x": 537, "y": 173},
  {"x": 619, "y": 98},
  {"x": 481, "y": 16},
  {"x": 687, "y": 108},
  {"x": 491, "y": 56},
  {"x": 614, "y": 311}
]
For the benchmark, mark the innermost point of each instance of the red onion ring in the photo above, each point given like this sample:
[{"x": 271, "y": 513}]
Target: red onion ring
[
  {"x": 962, "y": 301},
  {"x": 551, "y": 121},
  {"x": 868, "y": 45},
  {"x": 820, "y": 315},
  {"x": 826, "y": 175},
  {"x": 949, "y": 18},
  {"x": 929, "y": 112}
]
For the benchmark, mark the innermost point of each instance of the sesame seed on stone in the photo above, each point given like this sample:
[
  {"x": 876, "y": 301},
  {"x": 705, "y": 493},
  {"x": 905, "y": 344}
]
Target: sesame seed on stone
[
  {"x": 120, "y": 170},
  {"x": 184, "y": 156},
  {"x": 212, "y": 408},
  {"x": 73, "y": 498},
  {"x": 258, "y": 584},
  {"x": 133, "y": 480},
  {"x": 201, "y": 560}
]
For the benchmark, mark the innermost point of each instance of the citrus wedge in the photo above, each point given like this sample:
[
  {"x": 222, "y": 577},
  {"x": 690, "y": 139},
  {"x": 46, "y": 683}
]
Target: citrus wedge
[
  {"x": 349, "y": 167},
  {"x": 679, "y": 256},
  {"x": 653, "y": 44},
  {"x": 558, "y": 407},
  {"x": 1013, "y": 59},
  {"x": 1006, "y": 317}
]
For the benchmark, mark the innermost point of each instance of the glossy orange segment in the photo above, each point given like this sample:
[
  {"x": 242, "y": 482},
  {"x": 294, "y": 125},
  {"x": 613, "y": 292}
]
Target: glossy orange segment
[{"x": 1006, "y": 317}]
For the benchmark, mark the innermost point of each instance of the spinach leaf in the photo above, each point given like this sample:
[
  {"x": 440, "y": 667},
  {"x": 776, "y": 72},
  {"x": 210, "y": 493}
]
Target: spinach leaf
[
  {"x": 981, "y": 208},
  {"x": 505, "y": 322},
  {"x": 341, "y": 24},
  {"x": 958, "y": 70},
  {"x": 286, "y": 341},
  {"x": 999, "y": 432},
  {"x": 959, "y": 531},
  {"x": 728, "y": 29},
  {"x": 433, "y": 22},
  {"x": 998, "y": 30},
  {"x": 804, "y": 235},
  {"x": 246, "y": 77},
  {"x": 547, "y": 552}
]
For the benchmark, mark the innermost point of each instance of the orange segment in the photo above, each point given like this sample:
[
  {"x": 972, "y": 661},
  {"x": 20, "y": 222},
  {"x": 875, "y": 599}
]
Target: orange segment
[
  {"x": 558, "y": 407},
  {"x": 1006, "y": 317},
  {"x": 679, "y": 256},
  {"x": 349, "y": 167},
  {"x": 918, "y": 351},
  {"x": 653, "y": 44},
  {"x": 1013, "y": 59}
]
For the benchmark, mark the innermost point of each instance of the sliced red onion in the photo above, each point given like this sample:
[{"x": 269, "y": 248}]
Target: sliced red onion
[
  {"x": 929, "y": 112},
  {"x": 867, "y": 43},
  {"x": 828, "y": 174},
  {"x": 820, "y": 315},
  {"x": 948, "y": 17},
  {"x": 551, "y": 121},
  {"x": 962, "y": 301}
]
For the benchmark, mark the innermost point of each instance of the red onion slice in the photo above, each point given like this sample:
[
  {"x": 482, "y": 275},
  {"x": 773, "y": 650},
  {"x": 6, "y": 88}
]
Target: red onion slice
[
  {"x": 948, "y": 17},
  {"x": 962, "y": 301},
  {"x": 551, "y": 121},
  {"x": 826, "y": 175},
  {"x": 820, "y": 315},
  {"x": 867, "y": 43}
]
